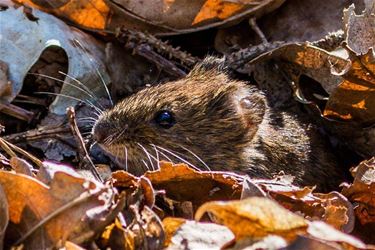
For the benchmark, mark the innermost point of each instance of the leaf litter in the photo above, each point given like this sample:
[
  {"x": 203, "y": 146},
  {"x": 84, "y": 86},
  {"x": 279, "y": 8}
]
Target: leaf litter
[{"x": 48, "y": 204}]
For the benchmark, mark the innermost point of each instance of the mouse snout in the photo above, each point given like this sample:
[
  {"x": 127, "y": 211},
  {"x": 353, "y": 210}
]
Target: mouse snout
[{"x": 101, "y": 131}]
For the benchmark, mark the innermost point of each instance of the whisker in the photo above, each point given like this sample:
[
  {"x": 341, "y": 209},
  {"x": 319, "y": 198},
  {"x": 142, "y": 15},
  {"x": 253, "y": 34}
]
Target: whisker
[
  {"x": 68, "y": 83},
  {"x": 87, "y": 90},
  {"x": 87, "y": 118},
  {"x": 157, "y": 155},
  {"x": 91, "y": 59},
  {"x": 147, "y": 168},
  {"x": 126, "y": 159},
  {"x": 148, "y": 155},
  {"x": 164, "y": 155},
  {"x": 196, "y": 156},
  {"x": 74, "y": 98},
  {"x": 178, "y": 157}
]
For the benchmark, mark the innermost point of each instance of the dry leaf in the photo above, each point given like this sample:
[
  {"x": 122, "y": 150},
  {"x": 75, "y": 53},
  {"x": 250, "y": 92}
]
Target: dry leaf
[
  {"x": 185, "y": 184},
  {"x": 31, "y": 202},
  {"x": 353, "y": 100},
  {"x": 92, "y": 14},
  {"x": 155, "y": 16},
  {"x": 124, "y": 180},
  {"x": 21, "y": 166},
  {"x": 116, "y": 237},
  {"x": 4, "y": 216},
  {"x": 183, "y": 234},
  {"x": 255, "y": 218},
  {"x": 362, "y": 191},
  {"x": 360, "y": 29},
  {"x": 20, "y": 52},
  {"x": 218, "y": 9},
  {"x": 332, "y": 208},
  {"x": 145, "y": 231},
  {"x": 327, "y": 233}
]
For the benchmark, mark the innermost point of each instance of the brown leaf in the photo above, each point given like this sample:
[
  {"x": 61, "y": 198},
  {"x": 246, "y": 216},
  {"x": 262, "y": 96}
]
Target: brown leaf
[
  {"x": 171, "y": 225},
  {"x": 332, "y": 208},
  {"x": 360, "y": 29},
  {"x": 185, "y": 184},
  {"x": 354, "y": 98},
  {"x": 4, "y": 215},
  {"x": 145, "y": 231},
  {"x": 116, "y": 237},
  {"x": 21, "y": 166},
  {"x": 255, "y": 217},
  {"x": 90, "y": 14},
  {"x": 327, "y": 233},
  {"x": 195, "y": 235},
  {"x": 39, "y": 212},
  {"x": 218, "y": 9},
  {"x": 124, "y": 180},
  {"x": 362, "y": 191}
]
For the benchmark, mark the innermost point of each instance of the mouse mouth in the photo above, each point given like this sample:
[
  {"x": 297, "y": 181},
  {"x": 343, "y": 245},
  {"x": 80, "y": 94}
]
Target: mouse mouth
[{"x": 130, "y": 159}]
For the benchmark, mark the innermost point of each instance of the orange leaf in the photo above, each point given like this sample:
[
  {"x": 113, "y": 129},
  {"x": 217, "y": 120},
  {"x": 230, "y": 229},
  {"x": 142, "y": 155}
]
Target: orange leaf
[
  {"x": 91, "y": 14},
  {"x": 217, "y": 9}
]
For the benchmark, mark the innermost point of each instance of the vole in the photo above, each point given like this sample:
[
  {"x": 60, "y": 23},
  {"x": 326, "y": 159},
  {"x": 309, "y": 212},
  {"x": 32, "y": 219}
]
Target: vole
[{"x": 210, "y": 119}]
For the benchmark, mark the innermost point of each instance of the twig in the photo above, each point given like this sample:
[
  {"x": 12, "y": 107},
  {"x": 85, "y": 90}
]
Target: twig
[
  {"x": 35, "y": 134},
  {"x": 6, "y": 148},
  {"x": 145, "y": 51},
  {"x": 17, "y": 112},
  {"x": 238, "y": 59},
  {"x": 133, "y": 38},
  {"x": 23, "y": 152},
  {"x": 85, "y": 159},
  {"x": 255, "y": 27}
]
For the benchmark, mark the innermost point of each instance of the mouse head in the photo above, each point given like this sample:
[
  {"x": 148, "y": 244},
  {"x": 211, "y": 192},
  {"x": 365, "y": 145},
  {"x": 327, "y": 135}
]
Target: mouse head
[{"x": 204, "y": 117}]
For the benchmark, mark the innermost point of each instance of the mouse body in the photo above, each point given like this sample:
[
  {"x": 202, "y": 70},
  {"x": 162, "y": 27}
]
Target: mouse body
[{"x": 212, "y": 121}]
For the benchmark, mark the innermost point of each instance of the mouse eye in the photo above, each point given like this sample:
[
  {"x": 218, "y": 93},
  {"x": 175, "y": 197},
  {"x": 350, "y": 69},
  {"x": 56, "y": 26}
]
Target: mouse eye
[{"x": 165, "y": 119}]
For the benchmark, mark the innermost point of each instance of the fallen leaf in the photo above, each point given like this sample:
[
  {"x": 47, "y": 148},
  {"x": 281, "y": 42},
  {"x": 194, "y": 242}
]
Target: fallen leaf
[
  {"x": 182, "y": 183},
  {"x": 165, "y": 17},
  {"x": 195, "y": 235},
  {"x": 255, "y": 218},
  {"x": 40, "y": 211},
  {"x": 124, "y": 180},
  {"x": 19, "y": 51},
  {"x": 327, "y": 233},
  {"x": 332, "y": 208},
  {"x": 353, "y": 99},
  {"x": 4, "y": 216},
  {"x": 218, "y": 9},
  {"x": 362, "y": 191},
  {"x": 92, "y": 14},
  {"x": 21, "y": 166},
  {"x": 360, "y": 29}
]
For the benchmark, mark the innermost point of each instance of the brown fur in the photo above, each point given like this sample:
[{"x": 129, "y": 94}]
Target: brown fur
[{"x": 227, "y": 123}]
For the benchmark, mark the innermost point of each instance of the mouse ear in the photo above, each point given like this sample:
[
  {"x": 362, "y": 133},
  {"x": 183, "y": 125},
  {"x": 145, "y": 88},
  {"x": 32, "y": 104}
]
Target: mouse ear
[
  {"x": 252, "y": 108},
  {"x": 208, "y": 64}
]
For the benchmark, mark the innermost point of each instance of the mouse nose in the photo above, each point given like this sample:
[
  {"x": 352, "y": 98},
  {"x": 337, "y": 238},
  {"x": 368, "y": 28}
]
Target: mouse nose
[{"x": 101, "y": 131}]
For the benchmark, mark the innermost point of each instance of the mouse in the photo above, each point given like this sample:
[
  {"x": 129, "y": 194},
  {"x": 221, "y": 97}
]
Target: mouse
[{"x": 212, "y": 121}]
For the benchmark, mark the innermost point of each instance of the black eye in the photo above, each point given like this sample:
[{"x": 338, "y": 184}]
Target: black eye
[{"x": 165, "y": 119}]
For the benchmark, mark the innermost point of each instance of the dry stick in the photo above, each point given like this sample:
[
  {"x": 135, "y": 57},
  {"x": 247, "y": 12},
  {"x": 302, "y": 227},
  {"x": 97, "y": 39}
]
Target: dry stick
[
  {"x": 146, "y": 51},
  {"x": 35, "y": 134},
  {"x": 23, "y": 152},
  {"x": 6, "y": 148},
  {"x": 238, "y": 59},
  {"x": 132, "y": 38},
  {"x": 85, "y": 159},
  {"x": 17, "y": 112}
]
